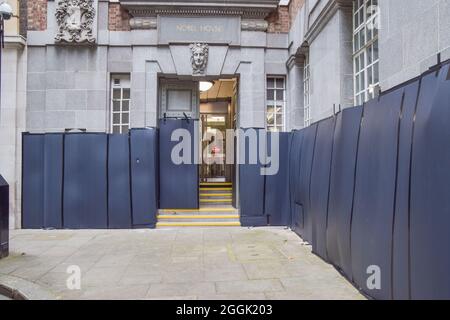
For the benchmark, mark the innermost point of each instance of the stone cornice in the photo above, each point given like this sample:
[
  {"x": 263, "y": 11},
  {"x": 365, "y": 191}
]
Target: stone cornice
[
  {"x": 327, "y": 13},
  {"x": 18, "y": 42},
  {"x": 149, "y": 23},
  {"x": 295, "y": 60},
  {"x": 245, "y": 9}
]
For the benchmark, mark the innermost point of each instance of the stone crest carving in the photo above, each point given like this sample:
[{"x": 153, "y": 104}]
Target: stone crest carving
[
  {"x": 199, "y": 57},
  {"x": 75, "y": 20}
]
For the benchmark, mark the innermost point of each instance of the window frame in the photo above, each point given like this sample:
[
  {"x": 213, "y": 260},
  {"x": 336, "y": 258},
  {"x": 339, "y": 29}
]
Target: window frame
[
  {"x": 125, "y": 84},
  {"x": 276, "y": 103},
  {"x": 307, "y": 92},
  {"x": 366, "y": 74}
]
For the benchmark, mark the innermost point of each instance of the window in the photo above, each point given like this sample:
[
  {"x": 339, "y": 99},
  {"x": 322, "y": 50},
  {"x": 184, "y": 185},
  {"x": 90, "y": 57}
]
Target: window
[
  {"x": 307, "y": 92},
  {"x": 120, "y": 104},
  {"x": 365, "y": 49},
  {"x": 276, "y": 103}
]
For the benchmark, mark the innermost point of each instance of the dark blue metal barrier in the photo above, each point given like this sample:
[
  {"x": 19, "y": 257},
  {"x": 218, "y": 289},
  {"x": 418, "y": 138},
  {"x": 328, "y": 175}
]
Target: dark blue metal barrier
[
  {"x": 430, "y": 191},
  {"x": 345, "y": 146},
  {"x": 53, "y": 180},
  {"x": 4, "y": 218},
  {"x": 119, "y": 185},
  {"x": 320, "y": 186},
  {"x": 179, "y": 183},
  {"x": 400, "y": 263},
  {"x": 294, "y": 180},
  {"x": 251, "y": 190},
  {"x": 374, "y": 202},
  {"x": 306, "y": 164},
  {"x": 144, "y": 182},
  {"x": 294, "y": 163},
  {"x": 277, "y": 205},
  {"x": 33, "y": 181},
  {"x": 85, "y": 181}
]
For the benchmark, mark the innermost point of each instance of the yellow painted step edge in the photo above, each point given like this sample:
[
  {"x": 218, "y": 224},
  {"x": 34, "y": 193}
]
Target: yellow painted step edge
[
  {"x": 216, "y": 189},
  {"x": 216, "y": 194},
  {"x": 215, "y": 200},
  {"x": 176, "y": 216},
  {"x": 216, "y": 183},
  {"x": 199, "y": 210},
  {"x": 198, "y": 224}
]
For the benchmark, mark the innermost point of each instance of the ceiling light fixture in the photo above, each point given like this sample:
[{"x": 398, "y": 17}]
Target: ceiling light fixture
[{"x": 205, "y": 86}]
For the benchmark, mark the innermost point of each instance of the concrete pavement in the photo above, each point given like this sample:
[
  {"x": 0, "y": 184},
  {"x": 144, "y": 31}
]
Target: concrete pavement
[{"x": 195, "y": 263}]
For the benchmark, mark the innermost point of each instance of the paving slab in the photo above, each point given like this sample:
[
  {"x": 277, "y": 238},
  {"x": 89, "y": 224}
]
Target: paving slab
[{"x": 177, "y": 264}]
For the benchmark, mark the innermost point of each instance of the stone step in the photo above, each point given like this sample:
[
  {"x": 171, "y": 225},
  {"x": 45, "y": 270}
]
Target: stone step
[
  {"x": 215, "y": 190},
  {"x": 206, "y": 210},
  {"x": 216, "y": 195},
  {"x": 160, "y": 225},
  {"x": 198, "y": 218},
  {"x": 220, "y": 201},
  {"x": 216, "y": 184}
]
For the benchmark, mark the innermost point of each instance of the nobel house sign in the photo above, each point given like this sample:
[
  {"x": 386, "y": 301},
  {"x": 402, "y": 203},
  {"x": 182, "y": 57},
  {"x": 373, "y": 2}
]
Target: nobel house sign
[{"x": 224, "y": 30}]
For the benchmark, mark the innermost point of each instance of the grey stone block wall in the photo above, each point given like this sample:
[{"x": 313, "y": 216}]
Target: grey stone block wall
[
  {"x": 12, "y": 123},
  {"x": 331, "y": 67},
  {"x": 412, "y": 33},
  {"x": 295, "y": 118},
  {"x": 67, "y": 88},
  {"x": 323, "y": 30}
]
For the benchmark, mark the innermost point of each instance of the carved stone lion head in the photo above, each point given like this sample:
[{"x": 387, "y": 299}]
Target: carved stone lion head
[{"x": 199, "y": 57}]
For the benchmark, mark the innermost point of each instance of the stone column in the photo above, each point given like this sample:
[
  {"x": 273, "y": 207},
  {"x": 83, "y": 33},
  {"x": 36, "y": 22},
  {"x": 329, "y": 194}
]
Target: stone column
[
  {"x": 12, "y": 121},
  {"x": 252, "y": 87},
  {"x": 295, "y": 93},
  {"x": 152, "y": 69}
]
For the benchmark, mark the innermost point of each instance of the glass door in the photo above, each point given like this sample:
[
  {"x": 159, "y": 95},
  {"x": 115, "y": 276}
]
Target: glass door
[{"x": 213, "y": 167}]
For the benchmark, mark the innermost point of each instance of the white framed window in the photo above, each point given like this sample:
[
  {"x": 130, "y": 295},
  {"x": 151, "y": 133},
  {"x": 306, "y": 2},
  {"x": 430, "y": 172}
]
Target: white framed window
[
  {"x": 307, "y": 92},
  {"x": 276, "y": 103},
  {"x": 365, "y": 49},
  {"x": 120, "y": 103}
]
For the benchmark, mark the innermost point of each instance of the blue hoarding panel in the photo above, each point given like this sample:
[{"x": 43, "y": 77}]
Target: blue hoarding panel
[
  {"x": 277, "y": 205},
  {"x": 85, "y": 181},
  {"x": 320, "y": 185},
  {"x": 306, "y": 164},
  {"x": 345, "y": 146},
  {"x": 33, "y": 181},
  {"x": 119, "y": 195},
  {"x": 294, "y": 179},
  {"x": 144, "y": 167},
  {"x": 373, "y": 214},
  {"x": 179, "y": 182},
  {"x": 251, "y": 178},
  {"x": 53, "y": 180},
  {"x": 400, "y": 263},
  {"x": 430, "y": 190}
]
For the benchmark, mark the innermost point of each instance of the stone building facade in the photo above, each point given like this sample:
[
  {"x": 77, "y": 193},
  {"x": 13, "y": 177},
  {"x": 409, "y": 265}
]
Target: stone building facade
[
  {"x": 13, "y": 101},
  {"x": 323, "y": 54}
]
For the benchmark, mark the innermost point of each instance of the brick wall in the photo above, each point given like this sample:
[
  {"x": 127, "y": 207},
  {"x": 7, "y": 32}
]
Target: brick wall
[
  {"x": 23, "y": 18},
  {"x": 37, "y": 15},
  {"x": 294, "y": 7},
  {"x": 282, "y": 19},
  {"x": 119, "y": 18},
  {"x": 279, "y": 20}
]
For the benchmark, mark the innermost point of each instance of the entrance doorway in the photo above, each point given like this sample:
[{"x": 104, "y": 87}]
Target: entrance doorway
[
  {"x": 203, "y": 193},
  {"x": 217, "y": 115}
]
